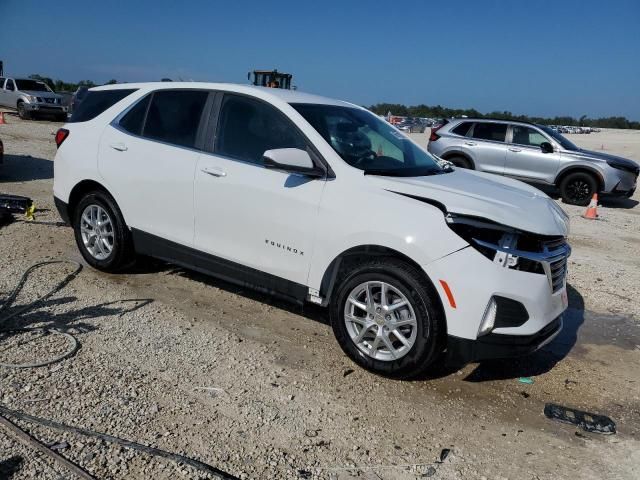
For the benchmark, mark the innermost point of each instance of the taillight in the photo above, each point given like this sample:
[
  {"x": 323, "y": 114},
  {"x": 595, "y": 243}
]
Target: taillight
[
  {"x": 434, "y": 136},
  {"x": 61, "y": 136}
]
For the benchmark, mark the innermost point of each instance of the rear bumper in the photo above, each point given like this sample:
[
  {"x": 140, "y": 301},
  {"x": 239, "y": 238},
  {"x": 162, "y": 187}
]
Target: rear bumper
[
  {"x": 63, "y": 210},
  {"x": 497, "y": 346}
]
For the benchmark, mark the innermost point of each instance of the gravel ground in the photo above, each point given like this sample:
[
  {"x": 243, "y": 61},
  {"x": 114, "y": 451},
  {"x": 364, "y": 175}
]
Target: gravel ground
[{"x": 259, "y": 388}]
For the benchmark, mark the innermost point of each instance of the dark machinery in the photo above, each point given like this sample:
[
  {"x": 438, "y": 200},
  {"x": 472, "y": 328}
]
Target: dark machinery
[{"x": 271, "y": 78}]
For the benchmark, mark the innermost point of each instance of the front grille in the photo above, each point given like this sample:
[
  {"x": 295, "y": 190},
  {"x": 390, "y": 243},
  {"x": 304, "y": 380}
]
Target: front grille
[
  {"x": 555, "y": 264},
  {"x": 50, "y": 100}
]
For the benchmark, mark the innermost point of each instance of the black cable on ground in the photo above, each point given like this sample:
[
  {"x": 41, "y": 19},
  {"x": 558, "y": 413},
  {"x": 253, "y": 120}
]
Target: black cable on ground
[
  {"x": 73, "y": 343},
  {"x": 125, "y": 443}
]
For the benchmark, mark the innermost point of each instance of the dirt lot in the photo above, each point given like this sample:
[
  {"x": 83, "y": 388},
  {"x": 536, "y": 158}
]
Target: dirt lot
[{"x": 260, "y": 389}]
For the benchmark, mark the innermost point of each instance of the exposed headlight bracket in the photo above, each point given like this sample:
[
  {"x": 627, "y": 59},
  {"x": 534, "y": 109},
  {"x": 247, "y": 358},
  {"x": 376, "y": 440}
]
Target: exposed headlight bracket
[{"x": 503, "y": 257}]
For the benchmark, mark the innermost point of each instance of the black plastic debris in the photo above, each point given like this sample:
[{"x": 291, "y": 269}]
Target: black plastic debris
[
  {"x": 14, "y": 203},
  {"x": 444, "y": 454},
  {"x": 589, "y": 422}
]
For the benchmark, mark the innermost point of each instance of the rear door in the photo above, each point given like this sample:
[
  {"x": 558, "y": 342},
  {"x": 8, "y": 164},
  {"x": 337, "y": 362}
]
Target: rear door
[
  {"x": 525, "y": 158},
  {"x": 148, "y": 157},
  {"x": 247, "y": 214},
  {"x": 488, "y": 146}
]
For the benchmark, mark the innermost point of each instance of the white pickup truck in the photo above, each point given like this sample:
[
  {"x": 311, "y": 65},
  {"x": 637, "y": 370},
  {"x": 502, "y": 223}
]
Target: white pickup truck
[{"x": 31, "y": 97}]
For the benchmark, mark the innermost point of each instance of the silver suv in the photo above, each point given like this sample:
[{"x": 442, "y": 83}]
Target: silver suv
[
  {"x": 534, "y": 154},
  {"x": 31, "y": 97}
]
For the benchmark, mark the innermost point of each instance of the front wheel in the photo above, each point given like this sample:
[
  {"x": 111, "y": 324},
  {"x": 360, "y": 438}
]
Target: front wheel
[
  {"x": 101, "y": 234},
  {"x": 578, "y": 188},
  {"x": 387, "y": 319},
  {"x": 23, "y": 113},
  {"x": 461, "y": 162}
]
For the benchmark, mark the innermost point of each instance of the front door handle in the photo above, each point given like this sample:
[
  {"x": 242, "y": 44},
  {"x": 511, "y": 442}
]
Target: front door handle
[
  {"x": 121, "y": 147},
  {"x": 515, "y": 149},
  {"x": 214, "y": 171},
  {"x": 471, "y": 144}
]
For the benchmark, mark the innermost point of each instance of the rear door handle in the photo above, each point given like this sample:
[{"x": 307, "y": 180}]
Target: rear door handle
[
  {"x": 471, "y": 144},
  {"x": 214, "y": 171},
  {"x": 515, "y": 149},
  {"x": 121, "y": 147}
]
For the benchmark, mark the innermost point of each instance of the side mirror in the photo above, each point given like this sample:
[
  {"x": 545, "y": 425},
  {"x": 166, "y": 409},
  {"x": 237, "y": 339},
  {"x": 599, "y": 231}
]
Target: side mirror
[
  {"x": 546, "y": 147},
  {"x": 291, "y": 160}
]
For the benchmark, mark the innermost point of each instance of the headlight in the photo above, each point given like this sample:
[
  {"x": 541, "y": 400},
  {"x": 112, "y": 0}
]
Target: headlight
[
  {"x": 622, "y": 166},
  {"x": 33, "y": 99}
]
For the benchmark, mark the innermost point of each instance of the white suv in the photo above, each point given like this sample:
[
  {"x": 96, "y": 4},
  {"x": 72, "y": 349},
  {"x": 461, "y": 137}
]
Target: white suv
[{"x": 316, "y": 200}]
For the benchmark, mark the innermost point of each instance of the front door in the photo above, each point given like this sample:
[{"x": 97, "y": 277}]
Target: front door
[
  {"x": 150, "y": 166},
  {"x": 248, "y": 214},
  {"x": 525, "y": 158}
]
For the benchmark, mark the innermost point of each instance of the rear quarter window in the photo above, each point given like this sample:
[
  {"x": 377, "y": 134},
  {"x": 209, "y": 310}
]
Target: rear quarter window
[
  {"x": 462, "y": 129},
  {"x": 95, "y": 103}
]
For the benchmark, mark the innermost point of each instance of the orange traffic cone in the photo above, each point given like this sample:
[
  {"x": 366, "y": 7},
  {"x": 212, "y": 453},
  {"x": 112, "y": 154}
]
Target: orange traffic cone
[
  {"x": 2, "y": 122},
  {"x": 592, "y": 209}
]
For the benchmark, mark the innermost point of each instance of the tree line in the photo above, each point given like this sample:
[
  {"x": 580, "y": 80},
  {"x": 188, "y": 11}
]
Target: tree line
[
  {"x": 439, "y": 111},
  {"x": 61, "y": 86}
]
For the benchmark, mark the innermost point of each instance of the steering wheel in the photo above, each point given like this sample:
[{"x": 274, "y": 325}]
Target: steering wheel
[{"x": 367, "y": 156}]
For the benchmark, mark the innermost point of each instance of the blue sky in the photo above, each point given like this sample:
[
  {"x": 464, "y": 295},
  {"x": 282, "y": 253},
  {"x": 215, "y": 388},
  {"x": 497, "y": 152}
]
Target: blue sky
[{"x": 531, "y": 56}]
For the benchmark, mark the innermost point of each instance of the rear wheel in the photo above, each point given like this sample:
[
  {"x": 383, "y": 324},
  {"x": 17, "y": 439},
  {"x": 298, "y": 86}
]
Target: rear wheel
[
  {"x": 578, "y": 188},
  {"x": 22, "y": 111},
  {"x": 386, "y": 318},
  {"x": 461, "y": 162},
  {"x": 101, "y": 233}
]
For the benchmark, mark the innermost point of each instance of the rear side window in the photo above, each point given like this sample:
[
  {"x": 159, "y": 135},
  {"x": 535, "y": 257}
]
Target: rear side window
[
  {"x": 134, "y": 118},
  {"x": 496, "y": 132},
  {"x": 462, "y": 129},
  {"x": 97, "y": 102},
  {"x": 248, "y": 128},
  {"x": 174, "y": 116}
]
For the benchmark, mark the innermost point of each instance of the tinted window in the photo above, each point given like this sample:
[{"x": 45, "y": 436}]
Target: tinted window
[
  {"x": 1, "y": 82},
  {"x": 174, "y": 116},
  {"x": 97, "y": 102},
  {"x": 462, "y": 129},
  {"x": 490, "y": 131},
  {"x": 10, "y": 85},
  {"x": 133, "y": 119},
  {"x": 248, "y": 128},
  {"x": 527, "y": 136}
]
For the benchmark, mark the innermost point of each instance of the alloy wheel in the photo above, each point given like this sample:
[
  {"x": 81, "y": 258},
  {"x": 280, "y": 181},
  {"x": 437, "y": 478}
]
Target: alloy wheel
[
  {"x": 380, "y": 320},
  {"x": 578, "y": 190},
  {"x": 97, "y": 232}
]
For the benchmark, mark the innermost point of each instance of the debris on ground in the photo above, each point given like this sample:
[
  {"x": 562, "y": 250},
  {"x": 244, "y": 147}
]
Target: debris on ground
[
  {"x": 589, "y": 422},
  {"x": 526, "y": 380}
]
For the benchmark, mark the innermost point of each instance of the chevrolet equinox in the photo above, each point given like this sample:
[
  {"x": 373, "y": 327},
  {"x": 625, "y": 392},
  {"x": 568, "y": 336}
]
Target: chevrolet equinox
[{"x": 317, "y": 200}]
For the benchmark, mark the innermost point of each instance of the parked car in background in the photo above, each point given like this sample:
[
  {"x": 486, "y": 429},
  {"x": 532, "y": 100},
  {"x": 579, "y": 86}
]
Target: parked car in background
[
  {"x": 535, "y": 154},
  {"x": 30, "y": 98},
  {"x": 257, "y": 186}
]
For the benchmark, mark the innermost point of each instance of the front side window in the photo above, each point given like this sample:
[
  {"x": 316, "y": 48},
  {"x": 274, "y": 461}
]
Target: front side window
[
  {"x": 174, "y": 116},
  {"x": 368, "y": 143},
  {"x": 496, "y": 132},
  {"x": 10, "y": 85},
  {"x": 527, "y": 136},
  {"x": 32, "y": 86},
  {"x": 97, "y": 102},
  {"x": 247, "y": 128}
]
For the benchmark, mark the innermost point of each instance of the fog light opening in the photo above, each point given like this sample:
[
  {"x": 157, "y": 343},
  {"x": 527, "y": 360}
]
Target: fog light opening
[{"x": 489, "y": 317}]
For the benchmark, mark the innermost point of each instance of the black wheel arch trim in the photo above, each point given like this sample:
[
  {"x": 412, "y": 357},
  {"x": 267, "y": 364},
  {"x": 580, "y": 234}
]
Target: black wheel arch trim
[
  {"x": 580, "y": 169},
  {"x": 456, "y": 153}
]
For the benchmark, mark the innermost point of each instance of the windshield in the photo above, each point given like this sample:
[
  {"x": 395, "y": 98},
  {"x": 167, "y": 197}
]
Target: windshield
[
  {"x": 366, "y": 142},
  {"x": 565, "y": 143},
  {"x": 32, "y": 85}
]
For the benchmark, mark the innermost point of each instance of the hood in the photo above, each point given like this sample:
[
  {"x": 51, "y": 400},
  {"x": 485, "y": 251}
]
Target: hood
[
  {"x": 601, "y": 156},
  {"x": 502, "y": 200},
  {"x": 41, "y": 94}
]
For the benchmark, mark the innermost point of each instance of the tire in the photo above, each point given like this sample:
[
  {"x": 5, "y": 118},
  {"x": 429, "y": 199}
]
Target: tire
[
  {"x": 578, "y": 188},
  {"x": 401, "y": 279},
  {"x": 461, "y": 162},
  {"x": 22, "y": 112},
  {"x": 121, "y": 254}
]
